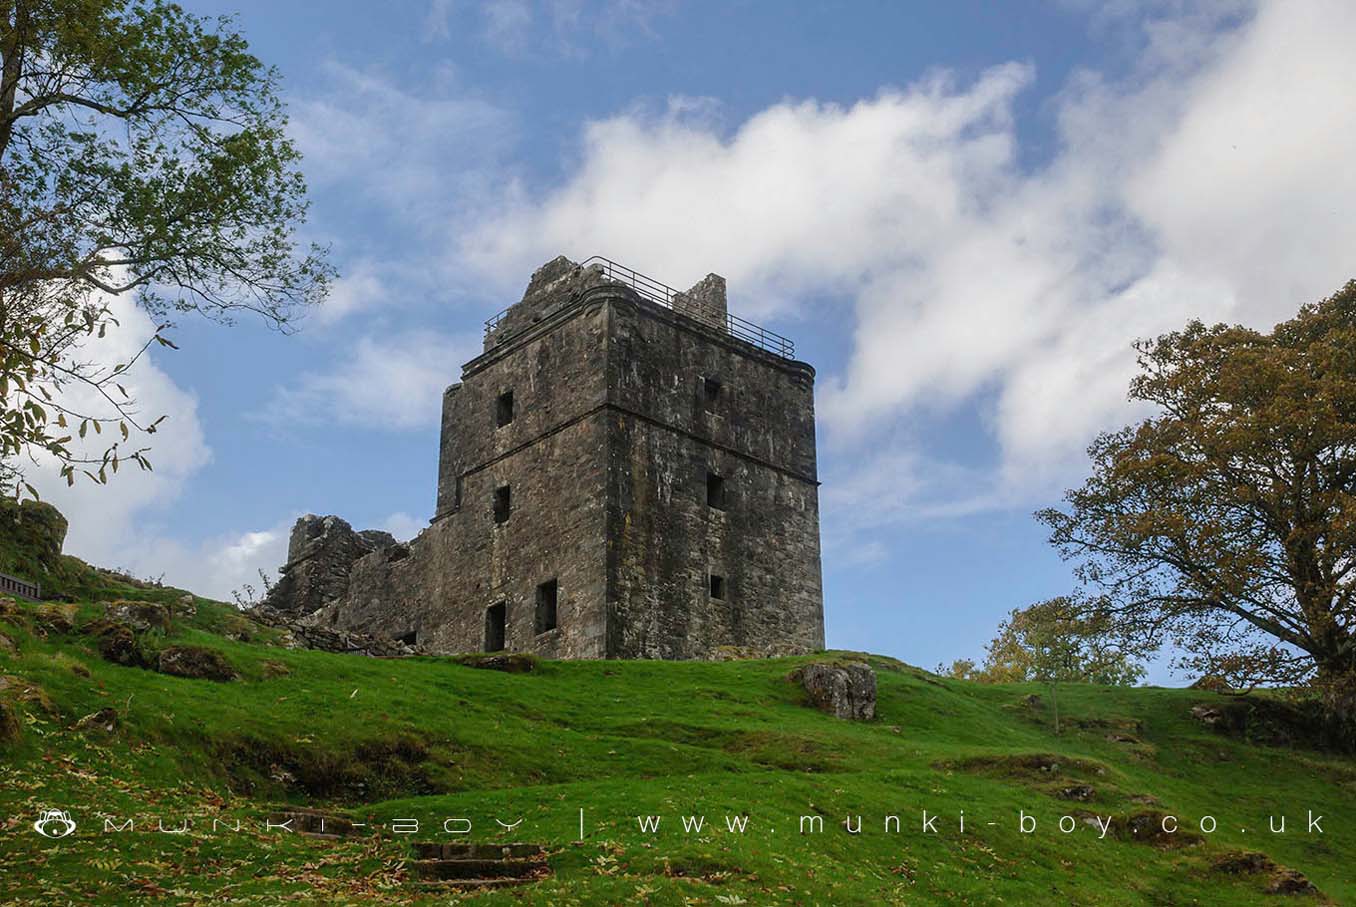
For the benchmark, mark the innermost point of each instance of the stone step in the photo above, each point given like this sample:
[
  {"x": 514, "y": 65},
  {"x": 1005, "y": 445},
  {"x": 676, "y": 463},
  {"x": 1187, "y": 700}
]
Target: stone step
[
  {"x": 460, "y": 870},
  {"x": 313, "y": 822},
  {"x": 462, "y": 850},
  {"x": 467, "y": 884}
]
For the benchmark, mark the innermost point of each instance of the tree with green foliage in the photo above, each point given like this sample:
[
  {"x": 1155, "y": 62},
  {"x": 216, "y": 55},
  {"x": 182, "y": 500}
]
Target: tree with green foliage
[
  {"x": 1056, "y": 642},
  {"x": 1225, "y": 523},
  {"x": 142, "y": 151}
]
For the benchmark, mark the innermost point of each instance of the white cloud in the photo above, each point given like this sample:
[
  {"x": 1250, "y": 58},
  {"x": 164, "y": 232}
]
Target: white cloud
[
  {"x": 1212, "y": 181},
  {"x": 220, "y": 567},
  {"x": 403, "y": 526},
  {"x": 217, "y": 567},
  {"x": 569, "y": 28},
  {"x": 390, "y": 383},
  {"x": 438, "y": 22},
  {"x": 107, "y": 522},
  {"x": 413, "y": 153},
  {"x": 360, "y": 288},
  {"x": 507, "y": 24}
]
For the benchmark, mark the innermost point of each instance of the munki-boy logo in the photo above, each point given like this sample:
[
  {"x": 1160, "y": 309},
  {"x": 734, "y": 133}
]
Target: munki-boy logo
[{"x": 54, "y": 823}]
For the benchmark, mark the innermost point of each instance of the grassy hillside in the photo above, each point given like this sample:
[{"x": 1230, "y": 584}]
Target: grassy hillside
[{"x": 431, "y": 739}]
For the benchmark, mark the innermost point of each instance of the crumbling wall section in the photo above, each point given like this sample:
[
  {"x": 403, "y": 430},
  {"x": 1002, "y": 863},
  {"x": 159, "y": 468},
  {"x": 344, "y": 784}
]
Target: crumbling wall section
[{"x": 321, "y": 552}]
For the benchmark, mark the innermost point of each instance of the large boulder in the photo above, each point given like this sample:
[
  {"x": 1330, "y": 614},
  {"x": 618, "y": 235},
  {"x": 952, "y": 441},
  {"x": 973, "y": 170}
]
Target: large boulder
[
  {"x": 320, "y": 555},
  {"x": 843, "y": 690}
]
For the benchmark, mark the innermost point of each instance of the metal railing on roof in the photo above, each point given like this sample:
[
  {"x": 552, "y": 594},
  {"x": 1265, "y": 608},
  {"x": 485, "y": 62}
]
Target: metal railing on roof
[{"x": 663, "y": 294}]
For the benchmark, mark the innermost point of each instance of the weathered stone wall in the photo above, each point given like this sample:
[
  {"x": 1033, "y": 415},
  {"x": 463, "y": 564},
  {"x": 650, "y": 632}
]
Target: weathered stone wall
[
  {"x": 552, "y": 457},
  {"x": 320, "y": 553},
  {"x": 757, "y": 434}
]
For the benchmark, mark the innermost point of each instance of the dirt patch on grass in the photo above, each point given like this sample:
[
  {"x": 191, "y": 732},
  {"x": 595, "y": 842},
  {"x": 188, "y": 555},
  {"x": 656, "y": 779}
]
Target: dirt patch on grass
[
  {"x": 772, "y": 749},
  {"x": 677, "y": 732},
  {"x": 784, "y": 751},
  {"x": 707, "y": 869},
  {"x": 1279, "y": 879},
  {"x": 367, "y": 771},
  {"x": 1037, "y": 767},
  {"x": 1151, "y": 827},
  {"x": 516, "y": 663}
]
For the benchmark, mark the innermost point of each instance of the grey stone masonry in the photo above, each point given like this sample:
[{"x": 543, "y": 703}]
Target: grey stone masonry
[
  {"x": 320, "y": 553},
  {"x": 618, "y": 477}
]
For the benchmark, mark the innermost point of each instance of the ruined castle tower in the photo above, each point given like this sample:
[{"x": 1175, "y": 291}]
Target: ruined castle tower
[{"x": 625, "y": 472}]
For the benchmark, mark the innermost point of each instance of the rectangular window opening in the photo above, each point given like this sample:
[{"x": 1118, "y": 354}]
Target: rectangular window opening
[
  {"x": 503, "y": 503},
  {"x": 503, "y": 409},
  {"x": 711, "y": 388},
  {"x": 715, "y": 491},
  {"x": 548, "y": 596},
  {"x": 717, "y": 587},
  {"x": 496, "y": 627}
]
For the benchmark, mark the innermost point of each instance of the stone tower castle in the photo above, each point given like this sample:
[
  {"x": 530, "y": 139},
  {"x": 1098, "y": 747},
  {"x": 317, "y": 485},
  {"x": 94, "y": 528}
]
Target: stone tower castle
[{"x": 626, "y": 471}]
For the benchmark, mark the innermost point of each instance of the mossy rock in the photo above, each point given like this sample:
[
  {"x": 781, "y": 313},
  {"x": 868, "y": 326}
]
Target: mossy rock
[
  {"x": 120, "y": 645},
  {"x": 141, "y": 616},
  {"x": 55, "y": 618},
  {"x": 509, "y": 663},
  {"x": 11, "y": 723},
  {"x": 197, "y": 662}
]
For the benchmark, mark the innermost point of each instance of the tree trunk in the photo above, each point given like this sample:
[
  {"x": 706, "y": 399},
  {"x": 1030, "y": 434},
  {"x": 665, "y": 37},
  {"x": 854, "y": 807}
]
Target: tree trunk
[{"x": 1338, "y": 690}]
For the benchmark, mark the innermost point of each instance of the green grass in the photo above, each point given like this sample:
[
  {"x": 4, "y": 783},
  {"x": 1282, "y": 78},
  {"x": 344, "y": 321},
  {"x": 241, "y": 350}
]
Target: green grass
[{"x": 429, "y": 738}]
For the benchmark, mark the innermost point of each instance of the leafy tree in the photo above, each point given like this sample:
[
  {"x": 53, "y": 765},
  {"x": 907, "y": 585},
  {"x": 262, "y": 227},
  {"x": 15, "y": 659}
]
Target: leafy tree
[
  {"x": 1225, "y": 523},
  {"x": 1056, "y": 642},
  {"x": 960, "y": 669},
  {"x": 142, "y": 150}
]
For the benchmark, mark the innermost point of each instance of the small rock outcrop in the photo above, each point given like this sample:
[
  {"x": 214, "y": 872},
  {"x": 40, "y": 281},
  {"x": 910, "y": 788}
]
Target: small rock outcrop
[
  {"x": 509, "y": 663},
  {"x": 320, "y": 554},
  {"x": 11, "y": 724},
  {"x": 140, "y": 616},
  {"x": 118, "y": 644},
  {"x": 843, "y": 690},
  {"x": 104, "y": 720},
  {"x": 309, "y": 632},
  {"x": 197, "y": 662}
]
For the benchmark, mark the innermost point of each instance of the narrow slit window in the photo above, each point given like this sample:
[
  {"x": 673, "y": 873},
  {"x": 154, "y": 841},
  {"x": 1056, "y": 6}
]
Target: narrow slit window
[
  {"x": 503, "y": 409},
  {"x": 711, "y": 388},
  {"x": 503, "y": 503},
  {"x": 715, "y": 491},
  {"x": 548, "y": 598},
  {"x": 717, "y": 587},
  {"x": 496, "y": 627}
]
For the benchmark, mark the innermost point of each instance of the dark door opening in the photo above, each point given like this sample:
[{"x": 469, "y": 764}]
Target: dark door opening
[
  {"x": 548, "y": 595},
  {"x": 496, "y": 626}
]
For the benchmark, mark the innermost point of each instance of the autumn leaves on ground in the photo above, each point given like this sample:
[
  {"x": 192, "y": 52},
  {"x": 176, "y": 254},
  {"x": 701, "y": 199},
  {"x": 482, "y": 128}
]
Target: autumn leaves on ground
[{"x": 182, "y": 712}]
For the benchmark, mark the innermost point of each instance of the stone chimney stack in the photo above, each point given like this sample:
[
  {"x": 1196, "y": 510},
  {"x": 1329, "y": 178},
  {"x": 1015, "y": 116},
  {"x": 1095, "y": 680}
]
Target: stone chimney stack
[{"x": 705, "y": 301}]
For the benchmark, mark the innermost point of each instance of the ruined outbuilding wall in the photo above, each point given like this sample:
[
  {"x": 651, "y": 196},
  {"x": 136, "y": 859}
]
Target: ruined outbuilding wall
[
  {"x": 552, "y": 458},
  {"x": 321, "y": 552}
]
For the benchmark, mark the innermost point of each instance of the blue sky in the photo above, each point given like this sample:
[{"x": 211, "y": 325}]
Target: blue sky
[{"x": 963, "y": 213}]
